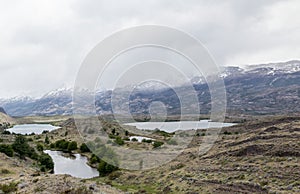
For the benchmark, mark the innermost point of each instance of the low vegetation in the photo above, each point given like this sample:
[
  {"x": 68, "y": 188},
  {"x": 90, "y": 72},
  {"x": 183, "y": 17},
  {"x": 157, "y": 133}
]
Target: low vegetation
[
  {"x": 64, "y": 145},
  {"x": 7, "y": 149},
  {"x": 9, "y": 188}
]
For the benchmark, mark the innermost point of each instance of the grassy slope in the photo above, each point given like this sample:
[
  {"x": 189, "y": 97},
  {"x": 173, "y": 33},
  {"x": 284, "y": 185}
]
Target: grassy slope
[{"x": 264, "y": 157}]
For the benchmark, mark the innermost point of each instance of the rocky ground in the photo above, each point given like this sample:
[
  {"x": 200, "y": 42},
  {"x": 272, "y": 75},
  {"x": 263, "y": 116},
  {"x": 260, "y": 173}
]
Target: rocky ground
[
  {"x": 254, "y": 157},
  {"x": 29, "y": 180},
  {"x": 257, "y": 157}
]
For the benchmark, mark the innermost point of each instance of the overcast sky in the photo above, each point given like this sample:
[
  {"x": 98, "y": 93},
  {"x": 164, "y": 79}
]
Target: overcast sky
[{"x": 43, "y": 42}]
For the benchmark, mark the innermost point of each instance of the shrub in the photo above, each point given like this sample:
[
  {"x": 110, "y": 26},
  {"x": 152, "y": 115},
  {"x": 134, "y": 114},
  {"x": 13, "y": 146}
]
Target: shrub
[
  {"x": 105, "y": 169},
  {"x": 227, "y": 133},
  {"x": 172, "y": 142},
  {"x": 147, "y": 140},
  {"x": 7, "y": 150},
  {"x": 6, "y": 132},
  {"x": 113, "y": 131},
  {"x": 5, "y": 171},
  {"x": 21, "y": 147},
  {"x": 29, "y": 139},
  {"x": 134, "y": 139},
  {"x": 126, "y": 133},
  {"x": 47, "y": 140},
  {"x": 157, "y": 144},
  {"x": 126, "y": 139},
  {"x": 9, "y": 188},
  {"x": 52, "y": 145},
  {"x": 46, "y": 162},
  {"x": 119, "y": 141},
  {"x": 84, "y": 148},
  {"x": 94, "y": 159},
  {"x": 61, "y": 144},
  {"x": 40, "y": 147},
  {"x": 72, "y": 145}
]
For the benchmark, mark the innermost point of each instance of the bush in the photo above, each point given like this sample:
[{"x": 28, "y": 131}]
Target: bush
[
  {"x": 172, "y": 142},
  {"x": 6, "y": 132},
  {"x": 147, "y": 140},
  {"x": 227, "y": 133},
  {"x": 7, "y": 150},
  {"x": 126, "y": 139},
  {"x": 9, "y": 188},
  {"x": 52, "y": 145},
  {"x": 5, "y": 171},
  {"x": 157, "y": 144},
  {"x": 72, "y": 145},
  {"x": 94, "y": 159},
  {"x": 29, "y": 139},
  {"x": 47, "y": 140},
  {"x": 46, "y": 162},
  {"x": 134, "y": 139},
  {"x": 40, "y": 147},
  {"x": 105, "y": 168},
  {"x": 119, "y": 141},
  {"x": 21, "y": 147},
  {"x": 84, "y": 148},
  {"x": 61, "y": 144}
]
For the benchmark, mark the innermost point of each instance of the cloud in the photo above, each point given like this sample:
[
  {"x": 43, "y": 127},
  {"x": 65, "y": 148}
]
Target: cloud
[{"x": 42, "y": 43}]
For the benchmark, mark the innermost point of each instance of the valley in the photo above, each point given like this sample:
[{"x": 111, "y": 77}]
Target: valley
[{"x": 257, "y": 156}]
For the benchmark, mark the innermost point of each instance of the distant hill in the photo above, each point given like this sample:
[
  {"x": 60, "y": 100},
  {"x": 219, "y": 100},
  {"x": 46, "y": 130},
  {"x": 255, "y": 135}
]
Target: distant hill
[
  {"x": 265, "y": 89},
  {"x": 2, "y": 110},
  {"x": 5, "y": 120}
]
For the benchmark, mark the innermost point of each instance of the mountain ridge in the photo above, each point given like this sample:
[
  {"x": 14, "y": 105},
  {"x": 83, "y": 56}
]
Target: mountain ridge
[{"x": 271, "y": 88}]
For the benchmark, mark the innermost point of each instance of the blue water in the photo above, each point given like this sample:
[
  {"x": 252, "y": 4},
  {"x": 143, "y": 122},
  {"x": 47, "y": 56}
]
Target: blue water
[{"x": 32, "y": 128}]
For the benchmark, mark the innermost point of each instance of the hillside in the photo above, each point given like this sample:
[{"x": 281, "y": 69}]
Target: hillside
[
  {"x": 255, "y": 157},
  {"x": 265, "y": 89},
  {"x": 5, "y": 120},
  {"x": 259, "y": 156}
]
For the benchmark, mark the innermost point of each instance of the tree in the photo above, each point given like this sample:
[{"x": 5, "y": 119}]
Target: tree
[
  {"x": 46, "y": 162},
  {"x": 126, "y": 133},
  {"x": 21, "y": 146},
  {"x": 104, "y": 168},
  {"x": 61, "y": 144},
  {"x": 7, "y": 149},
  {"x": 72, "y": 146},
  {"x": 84, "y": 148},
  {"x": 40, "y": 147},
  {"x": 47, "y": 140}
]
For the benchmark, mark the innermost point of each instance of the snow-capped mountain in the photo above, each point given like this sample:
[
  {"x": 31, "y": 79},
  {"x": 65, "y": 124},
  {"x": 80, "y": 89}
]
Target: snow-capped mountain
[{"x": 272, "y": 88}]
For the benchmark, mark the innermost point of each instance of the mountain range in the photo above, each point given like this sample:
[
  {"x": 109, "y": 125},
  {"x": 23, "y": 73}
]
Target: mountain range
[{"x": 264, "y": 89}]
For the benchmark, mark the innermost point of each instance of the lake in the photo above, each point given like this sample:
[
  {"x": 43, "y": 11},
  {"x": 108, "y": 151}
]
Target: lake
[
  {"x": 182, "y": 125},
  {"x": 75, "y": 166},
  {"x": 31, "y": 128},
  {"x": 139, "y": 138}
]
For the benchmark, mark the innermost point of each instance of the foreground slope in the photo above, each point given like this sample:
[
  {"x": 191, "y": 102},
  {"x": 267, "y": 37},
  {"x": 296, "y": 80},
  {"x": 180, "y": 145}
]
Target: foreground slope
[
  {"x": 257, "y": 157},
  {"x": 254, "y": 157}
]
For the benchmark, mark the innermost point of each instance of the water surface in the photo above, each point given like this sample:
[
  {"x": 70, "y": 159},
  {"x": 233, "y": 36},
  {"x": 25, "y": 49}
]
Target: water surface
[
  {"x": 182, "y": 125},
  {"x": 31, "y": 128},
  {"x": 75, "y": 166},
  {"x": 140, "y": 138}
]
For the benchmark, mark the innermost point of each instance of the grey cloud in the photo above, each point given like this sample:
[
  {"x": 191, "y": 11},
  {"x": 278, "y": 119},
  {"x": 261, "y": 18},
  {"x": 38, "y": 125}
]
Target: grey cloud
[{"x": 43, "y": 45}]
